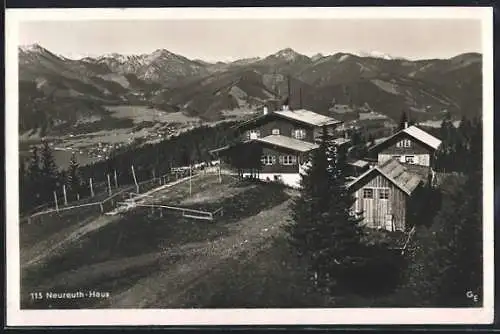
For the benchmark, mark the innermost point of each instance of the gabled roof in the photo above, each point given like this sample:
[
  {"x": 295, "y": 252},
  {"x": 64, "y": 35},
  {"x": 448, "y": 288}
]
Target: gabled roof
[
  {"x": 416, "y": 133},
  {"x": 307, "y": 116},
  {"x": 288, "y": 142},
  {"x": 303, "y": 116},
  {"x": 396, "y": 173},
  {"x": 423, "y": 136}
]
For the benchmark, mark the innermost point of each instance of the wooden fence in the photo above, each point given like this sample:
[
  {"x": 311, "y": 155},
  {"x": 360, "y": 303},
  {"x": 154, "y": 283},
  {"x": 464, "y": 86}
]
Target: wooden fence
[
  {"x": 186, "y": 212},
  {"x": 109, "y": 203}
]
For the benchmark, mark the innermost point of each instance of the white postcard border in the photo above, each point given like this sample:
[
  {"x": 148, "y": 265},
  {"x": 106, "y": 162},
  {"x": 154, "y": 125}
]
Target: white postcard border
[{"x": 18, "y": 317}]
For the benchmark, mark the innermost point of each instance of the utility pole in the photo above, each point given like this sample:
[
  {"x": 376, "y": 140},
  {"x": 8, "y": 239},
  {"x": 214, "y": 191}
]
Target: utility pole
[{"x": 91, "y": 188}]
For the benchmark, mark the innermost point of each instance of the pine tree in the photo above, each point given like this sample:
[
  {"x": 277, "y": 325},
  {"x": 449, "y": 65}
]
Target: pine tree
[
  {"x": 74, "y": 181},
  {"x": 49, "y": 173},
  {"x": 323, "y": 229},
  {"x": 34, "y": 180}
]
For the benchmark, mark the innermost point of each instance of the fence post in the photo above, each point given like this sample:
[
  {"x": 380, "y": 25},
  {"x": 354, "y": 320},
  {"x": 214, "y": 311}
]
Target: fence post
[
  {"x": 190, "y": 182},
  {"x": 109, "y": 185},
  {"x": 64, "y": 194},
  {"x": 135, "y": 180},
  {"x": 55, "y": 200},
  {"x": 102, "y": 208},
  {"x": 77, "y": 197},
  {"x": 91, "y": 188},
  {"x": 116, "y": 180}
]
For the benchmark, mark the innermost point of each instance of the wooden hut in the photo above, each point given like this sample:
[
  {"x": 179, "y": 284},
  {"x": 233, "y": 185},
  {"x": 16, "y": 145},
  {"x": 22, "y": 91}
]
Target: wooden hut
[{"x": 383, "y": 195}]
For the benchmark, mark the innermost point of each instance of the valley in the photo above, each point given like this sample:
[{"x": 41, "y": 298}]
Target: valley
[{"x": 94, "y": 106}]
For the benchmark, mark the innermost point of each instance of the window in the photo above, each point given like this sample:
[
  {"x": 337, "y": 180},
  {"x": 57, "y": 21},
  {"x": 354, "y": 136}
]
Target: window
[
  {"x": 275, "y": 131},
  {"x": 254, "y": 134},
  {"x": 404, "y": 143},
  {"x": 410, "y": 159},
  {"x": 368, "y": 193},
  {"x": 288, "y": 160},
  {"x": 383, "y": 193},
  {"x": 299, "y": 133},
  {"x": 268, "y": 160}
]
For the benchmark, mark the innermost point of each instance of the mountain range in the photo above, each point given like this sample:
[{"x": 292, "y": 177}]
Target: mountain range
[{"x": 56, "y": 91}]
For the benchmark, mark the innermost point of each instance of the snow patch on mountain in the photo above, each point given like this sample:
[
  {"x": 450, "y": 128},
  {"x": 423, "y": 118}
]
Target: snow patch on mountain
[{"x": 375, "y": 54}]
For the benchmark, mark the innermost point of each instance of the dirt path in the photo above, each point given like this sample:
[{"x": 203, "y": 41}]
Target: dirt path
[{"x": 167, "y": 287}]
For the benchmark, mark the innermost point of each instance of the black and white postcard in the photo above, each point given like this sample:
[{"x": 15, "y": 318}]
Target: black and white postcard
[{"x": 243, "y": 166}]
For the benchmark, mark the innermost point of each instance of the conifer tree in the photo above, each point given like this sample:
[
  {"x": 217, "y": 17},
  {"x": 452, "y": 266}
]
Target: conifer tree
[
  {"x": 323, "y": 229},
  {"x": 74, "y": 181},
  {"x": 49, "y": 173},
  {"x": 34, "y": 179}
]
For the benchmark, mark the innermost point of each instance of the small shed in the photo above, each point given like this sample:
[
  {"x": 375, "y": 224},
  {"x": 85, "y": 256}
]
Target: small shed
[{"x": 383, "y": 195}]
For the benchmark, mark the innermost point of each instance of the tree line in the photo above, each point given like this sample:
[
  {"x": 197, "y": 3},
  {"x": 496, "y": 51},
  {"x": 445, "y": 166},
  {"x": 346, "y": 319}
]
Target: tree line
[
  {"x": 461, "y": 146},
  {"x": 40, "y": 177}
]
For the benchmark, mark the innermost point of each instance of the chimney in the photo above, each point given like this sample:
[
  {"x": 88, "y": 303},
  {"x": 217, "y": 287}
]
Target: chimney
[
  {"x": 266, "y": 111},
  {"x": 406, "y": 125},
  {"x": 285, "y": 107}
]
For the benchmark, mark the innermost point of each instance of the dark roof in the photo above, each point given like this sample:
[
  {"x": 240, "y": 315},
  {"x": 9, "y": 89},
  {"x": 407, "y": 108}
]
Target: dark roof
[{"x": 396, "y": 173}]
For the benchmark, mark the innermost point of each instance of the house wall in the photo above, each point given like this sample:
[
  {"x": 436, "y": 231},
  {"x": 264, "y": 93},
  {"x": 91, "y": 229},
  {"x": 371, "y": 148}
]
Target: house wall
[
  {"x": 419, "y": 159},
  {"x": 285, "y": 126},
  {"x": 280, "y": 168},
  {"x": 422, "y": 153},
  {"x": 381, "y": 213}
]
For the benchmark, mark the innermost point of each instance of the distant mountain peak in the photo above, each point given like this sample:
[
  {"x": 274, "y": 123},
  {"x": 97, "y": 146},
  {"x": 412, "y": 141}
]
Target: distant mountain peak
[
  {"x": 375, "y": 54},
  {"x": 161, "y": 52},
  {"x": 288, "y": 54},
  {"x": 35, "y": 47},
  {"x": 317, "y": 56}
]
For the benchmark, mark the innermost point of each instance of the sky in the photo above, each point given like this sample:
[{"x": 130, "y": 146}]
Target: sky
[{"x": 223, "y": 39}]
